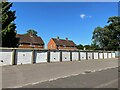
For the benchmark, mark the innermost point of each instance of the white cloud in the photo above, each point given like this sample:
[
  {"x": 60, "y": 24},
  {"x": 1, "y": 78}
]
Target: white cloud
[{"x": 82, "y": 16}]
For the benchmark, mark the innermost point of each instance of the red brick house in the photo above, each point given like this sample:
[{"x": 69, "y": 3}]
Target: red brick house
[
  {"x": 61, "y": 44},
  {"x": 30, "y": 41}
]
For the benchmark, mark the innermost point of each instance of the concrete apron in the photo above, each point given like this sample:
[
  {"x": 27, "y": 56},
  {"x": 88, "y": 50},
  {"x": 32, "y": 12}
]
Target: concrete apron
[{"x": 22, "y": 75}]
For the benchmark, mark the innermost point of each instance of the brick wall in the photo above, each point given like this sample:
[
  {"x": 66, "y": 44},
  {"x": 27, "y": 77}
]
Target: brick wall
[{"x": 51, "y": 45}]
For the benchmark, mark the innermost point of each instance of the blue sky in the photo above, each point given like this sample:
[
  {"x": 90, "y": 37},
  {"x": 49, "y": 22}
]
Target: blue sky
[{"x": 75, "y": 20}]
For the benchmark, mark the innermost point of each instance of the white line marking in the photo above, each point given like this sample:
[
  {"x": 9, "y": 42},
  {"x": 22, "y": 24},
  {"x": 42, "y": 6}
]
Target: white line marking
[
  {"x": 93, "y": 71},
  {"x": 83, "y": 73}
]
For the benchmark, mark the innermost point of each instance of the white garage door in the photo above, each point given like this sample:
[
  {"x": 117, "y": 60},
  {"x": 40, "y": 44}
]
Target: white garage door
[
  {"x": 101, "y": 55},
  {"x": 40, "y": 56},
  {"x": 65, "y": 56},
  {"x": 89, "y": 55},
  {"x": 113, "y": 55},
  {"x": 24, "y": 56},
  {"x": 95, "y": 55},
  {"x": 75, "y": 56},
  {"x": 109, "y": 55},
  {"x": 54, "y": 56},
  {"x": 83, "y": 55},
  {"x": 105, "y": 55},
  {"x": 6, "y": 56}
]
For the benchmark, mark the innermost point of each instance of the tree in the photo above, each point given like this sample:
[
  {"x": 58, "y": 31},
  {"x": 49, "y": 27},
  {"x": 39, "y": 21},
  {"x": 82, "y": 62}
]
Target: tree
[
  {"x": 32, "y": 31},
  {"x": 94, "y": 46},
  {"x": 80, "y": 46},
  {"x": 114, "y": 27},
  {"x": 89, "y": 47},
  {"x": 108, "y": 37},
  {"x": 100, "y": 37},
  {"x": 8, "y": 27}
]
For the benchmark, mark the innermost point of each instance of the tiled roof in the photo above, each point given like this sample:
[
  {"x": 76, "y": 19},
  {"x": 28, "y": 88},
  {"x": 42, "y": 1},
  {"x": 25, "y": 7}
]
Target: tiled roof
[
  {"x": 29, "y": 39},
  {"x": 64, "y": 42}
]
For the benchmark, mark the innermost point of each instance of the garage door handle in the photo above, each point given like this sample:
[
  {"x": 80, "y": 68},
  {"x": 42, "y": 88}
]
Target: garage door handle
[{"x": 1, "y": 60}]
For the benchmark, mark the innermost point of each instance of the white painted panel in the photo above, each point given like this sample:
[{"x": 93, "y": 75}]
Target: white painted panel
[
  {"x": 113, "y": 55},
  {"x": 95, "y": 55},
  {"x": 90, "y": 55},
  {"x": 75, "y": 56},
  {"x": 24, "y": 56},
  {"x": 83, "y": 55},
  {"x": 117, "y": 53},
  {"x": 6, "y": 56},
  {"x": 40, "y": 56},
  {"x": 101, "y": 55},
  {"x": 105, "y": 55},
  {"x": 65, "y": 56},
  {"x": 109, "y": 55},
  {"x": 54, "y": 56}
]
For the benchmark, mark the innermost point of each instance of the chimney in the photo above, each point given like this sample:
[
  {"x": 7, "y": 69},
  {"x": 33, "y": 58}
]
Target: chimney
[
  {"x": 57, "y": 37},
  {"x": 66, "y": 39}
]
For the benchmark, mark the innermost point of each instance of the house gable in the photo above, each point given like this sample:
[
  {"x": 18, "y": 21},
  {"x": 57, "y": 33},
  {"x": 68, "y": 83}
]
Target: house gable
[{"x": 51, "y": 44}]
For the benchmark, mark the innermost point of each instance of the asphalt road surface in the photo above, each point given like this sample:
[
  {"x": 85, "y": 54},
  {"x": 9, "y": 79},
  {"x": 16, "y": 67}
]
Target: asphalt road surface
[
  {"x": 23, "y": 75},
  {"x": 99, "y": 79}
]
